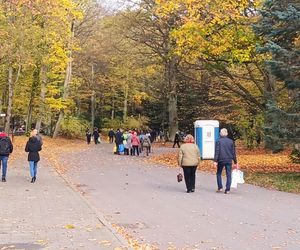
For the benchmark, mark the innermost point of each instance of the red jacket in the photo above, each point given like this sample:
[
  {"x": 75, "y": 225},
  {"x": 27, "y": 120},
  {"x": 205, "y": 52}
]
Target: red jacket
[{"x": 135, "y": 140}]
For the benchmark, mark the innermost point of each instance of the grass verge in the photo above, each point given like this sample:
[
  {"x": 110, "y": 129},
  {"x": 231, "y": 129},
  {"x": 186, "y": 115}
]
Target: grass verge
[{"x": 286, "y": 182}]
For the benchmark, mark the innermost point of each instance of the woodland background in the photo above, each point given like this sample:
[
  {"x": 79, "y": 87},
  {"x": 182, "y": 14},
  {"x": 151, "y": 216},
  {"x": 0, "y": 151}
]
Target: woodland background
[{"x": 70, "y": 65}]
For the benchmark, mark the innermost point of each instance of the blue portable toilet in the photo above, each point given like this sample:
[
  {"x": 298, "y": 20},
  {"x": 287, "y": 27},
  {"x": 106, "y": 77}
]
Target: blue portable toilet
[{"x": 206, "y": 135}]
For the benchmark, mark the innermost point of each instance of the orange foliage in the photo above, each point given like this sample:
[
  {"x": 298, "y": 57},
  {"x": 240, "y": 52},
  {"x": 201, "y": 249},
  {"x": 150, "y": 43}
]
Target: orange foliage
[{"x": 249, "y": 161}]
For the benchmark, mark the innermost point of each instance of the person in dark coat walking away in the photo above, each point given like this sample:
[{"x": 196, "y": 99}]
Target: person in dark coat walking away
[
  {"x": 111, "y": 135},
  {"x": 176, "y": 140},
  {"x": 96, "y": 136},
  {"x": 224, "y": 155},
  {"x": 88, "y": 137},
  {"x": 38, "y": 135},
  {"x": 189, "y": 159},
  {"x": 6, "y": 148},
  {"x": 118, "y": 140},
  {"x": 33, "y": 146}
]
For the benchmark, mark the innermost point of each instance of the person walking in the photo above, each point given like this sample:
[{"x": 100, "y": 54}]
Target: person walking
[
  {"x": 111, "y": 135},
  {"x": 176, "y": 139},
  {"x": 189, "y": 159},
  {"x": 135, "y": 144},
  {"x": 146, "y": 145},
  {"x": 88, "y": 137},
  {"x": 38, "y": 136},
  {"x": 33, "y": 146},
  {"x": 118, "y": 140},
  {"x": 6, "y": 148},
  {"x": 224, "y": 155},
  {"x": 96, "y": 135}
]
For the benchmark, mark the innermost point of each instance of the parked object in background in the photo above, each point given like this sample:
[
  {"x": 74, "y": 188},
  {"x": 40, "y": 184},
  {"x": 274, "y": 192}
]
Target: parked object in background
[{"x": 206, "y": 135}]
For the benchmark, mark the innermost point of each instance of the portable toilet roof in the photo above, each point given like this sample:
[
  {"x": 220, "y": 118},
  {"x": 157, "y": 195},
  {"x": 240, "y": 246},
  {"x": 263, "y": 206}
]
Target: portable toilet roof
[{"x": 201, "y": 123}]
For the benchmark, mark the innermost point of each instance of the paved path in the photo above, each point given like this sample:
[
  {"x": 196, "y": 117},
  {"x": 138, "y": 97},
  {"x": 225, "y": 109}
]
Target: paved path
[
  {"x": 146, "y": 200},
  {"x": 48, "y": 214}
]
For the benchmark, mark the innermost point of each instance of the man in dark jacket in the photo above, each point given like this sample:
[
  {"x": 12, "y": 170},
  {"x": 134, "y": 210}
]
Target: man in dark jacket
[
  {"x": 119, "y": 140},
  {"x": 6, "y": 148},
  {"x": 111, "y": 135},
  {"x": 224, "y": 155}
]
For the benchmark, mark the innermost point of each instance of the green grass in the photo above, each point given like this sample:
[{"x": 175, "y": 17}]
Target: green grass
[{"x": 287, "y": 182}]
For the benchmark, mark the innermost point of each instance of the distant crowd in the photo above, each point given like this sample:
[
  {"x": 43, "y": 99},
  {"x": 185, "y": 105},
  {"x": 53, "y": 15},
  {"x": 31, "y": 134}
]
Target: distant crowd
[{"x": 132, "y": 142}]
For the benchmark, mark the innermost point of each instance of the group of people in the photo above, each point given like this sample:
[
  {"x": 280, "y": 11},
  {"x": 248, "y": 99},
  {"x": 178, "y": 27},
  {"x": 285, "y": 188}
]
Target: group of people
[
  {"x": 131, "y": 142},
  {"x": 95, "y": 135},
  {"x": 189, "y": 159},
  {"x": 33, "y": 146}
]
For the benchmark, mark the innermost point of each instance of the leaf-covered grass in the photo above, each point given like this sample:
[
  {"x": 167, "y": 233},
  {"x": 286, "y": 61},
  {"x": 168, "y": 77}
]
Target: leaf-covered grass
[
  {"x": 287, "y": 182},
  {"x": 262, "y": 168}
]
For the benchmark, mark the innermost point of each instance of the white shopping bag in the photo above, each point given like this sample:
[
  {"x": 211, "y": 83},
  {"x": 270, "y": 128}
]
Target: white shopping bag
[
  {"x": 241, "y": 177},
  {"x": 234, "y": 178},
  {"x": 237, "y": 177}
]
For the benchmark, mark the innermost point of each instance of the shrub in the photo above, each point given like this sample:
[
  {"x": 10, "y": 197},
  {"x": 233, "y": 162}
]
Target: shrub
[{"x": 73, "y": 127}]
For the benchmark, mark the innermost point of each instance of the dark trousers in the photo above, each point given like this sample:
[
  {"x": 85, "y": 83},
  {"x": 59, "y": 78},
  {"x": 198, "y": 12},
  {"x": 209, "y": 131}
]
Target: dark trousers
[
  {"x": 118, "y": 148},
  {"x": 88, "y": 140},
  {"x": 96, "y": 140},
  {"x": 176, "y": 142},
  {"x": 135, "y": 149},
  {"x": 228, "y": 167},
  {"x": 146, "y": 149},
  {"x": 190, "y": 177},
  {"x": 111, "y": 139}
]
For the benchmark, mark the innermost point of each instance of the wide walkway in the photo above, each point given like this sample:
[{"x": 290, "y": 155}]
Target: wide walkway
[
  {"x": 48, "y": 214},
  {"x": 151, "y": 206}
]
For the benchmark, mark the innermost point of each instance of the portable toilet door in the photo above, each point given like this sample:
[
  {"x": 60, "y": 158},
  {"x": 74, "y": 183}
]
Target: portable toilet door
[{"x": 206, "y": 135}]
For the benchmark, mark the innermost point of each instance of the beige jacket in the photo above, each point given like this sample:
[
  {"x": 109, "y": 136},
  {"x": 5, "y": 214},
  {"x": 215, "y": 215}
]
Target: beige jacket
[{"x": 189, "y": 155}]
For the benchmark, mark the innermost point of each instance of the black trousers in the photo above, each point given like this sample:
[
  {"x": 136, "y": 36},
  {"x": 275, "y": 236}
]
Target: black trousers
[
  {"x": 135, "y": 149},
  {"x": 176, "y": 143},
  {"x": 190, "y": 177}
]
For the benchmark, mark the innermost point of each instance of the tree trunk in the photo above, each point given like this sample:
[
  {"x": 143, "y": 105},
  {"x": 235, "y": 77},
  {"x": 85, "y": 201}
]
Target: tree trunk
[
  {"x": 125, "y": 108},
  {"x": 65, "y": 96},
  {"x": 93, "y": 101},
  {"x": 93, "y": 108},
  {"x": 172, "y": 98},
  {"x": 10, "y": 99},
  {"x": 35, "y": 83},
  {"x": 67, "y": 82},
  {"x": 43, "y": 77}
]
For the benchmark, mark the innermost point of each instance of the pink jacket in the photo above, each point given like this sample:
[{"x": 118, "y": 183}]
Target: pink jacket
[{"x": 135, "y": 140}]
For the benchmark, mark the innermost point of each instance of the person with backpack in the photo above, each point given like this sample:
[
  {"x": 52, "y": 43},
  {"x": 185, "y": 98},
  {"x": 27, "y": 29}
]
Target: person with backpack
[
  {"x": 146, "y": 145},
  {"x": 6, "y": 148},
  {"x": 33, "y": 146}
]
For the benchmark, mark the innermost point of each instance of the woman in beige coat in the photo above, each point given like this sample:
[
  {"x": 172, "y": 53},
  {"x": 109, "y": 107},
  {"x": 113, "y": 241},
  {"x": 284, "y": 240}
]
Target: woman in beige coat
[{"x": 189, "y": 159}]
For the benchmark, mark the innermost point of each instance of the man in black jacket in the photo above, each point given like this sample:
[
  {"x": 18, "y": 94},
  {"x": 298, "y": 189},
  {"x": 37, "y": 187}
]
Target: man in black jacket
[
  {"x": 6, "y": 148},
  {"x": 118, "y": 140},
  {"x": 224, "y": 155}
]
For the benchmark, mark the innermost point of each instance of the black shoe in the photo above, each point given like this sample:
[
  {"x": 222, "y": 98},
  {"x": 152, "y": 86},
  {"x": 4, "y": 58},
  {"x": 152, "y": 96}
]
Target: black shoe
[
  {"x": 3, "y": 179},
  {"x": 193, "y": 190},
  {"x": 189, "y": 191},
  {"x": 227, "y": 192},
  {"x": 32, "y": 180}
]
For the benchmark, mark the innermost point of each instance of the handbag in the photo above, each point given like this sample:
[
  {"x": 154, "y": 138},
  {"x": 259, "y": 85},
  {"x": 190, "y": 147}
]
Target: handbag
[{"x": 179, "y": 177}]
